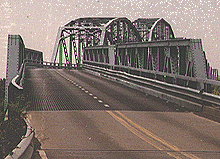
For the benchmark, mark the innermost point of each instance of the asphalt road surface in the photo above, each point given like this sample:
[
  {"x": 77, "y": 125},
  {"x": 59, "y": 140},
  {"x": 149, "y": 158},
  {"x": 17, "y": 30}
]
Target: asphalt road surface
[{"x": 78, "y": 115}]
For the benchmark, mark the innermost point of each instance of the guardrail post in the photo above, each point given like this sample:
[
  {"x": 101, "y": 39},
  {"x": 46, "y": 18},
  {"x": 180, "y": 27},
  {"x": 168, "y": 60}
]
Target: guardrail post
[{"x": 111, "y": 54}]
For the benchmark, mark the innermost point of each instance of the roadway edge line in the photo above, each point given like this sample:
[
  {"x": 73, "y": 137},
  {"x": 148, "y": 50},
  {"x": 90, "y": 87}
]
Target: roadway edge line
[{"x": 42, "y": 154}]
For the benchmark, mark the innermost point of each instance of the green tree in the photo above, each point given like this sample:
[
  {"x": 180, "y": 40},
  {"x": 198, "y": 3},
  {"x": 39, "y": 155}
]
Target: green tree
[
  {"x": 2, "y": 89},
  {"x": 12, "y": 130},
  {"x": 216, "y": 89},
  {"x": 20, "y": 105},
  {"x": 2, "y": 96}
]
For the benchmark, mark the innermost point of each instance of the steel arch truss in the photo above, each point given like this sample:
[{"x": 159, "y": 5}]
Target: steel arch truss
[
  {"x": 86, "y": 32},
  {"x": 119, "y": 31},
  {"x": 154, "y": 29}
]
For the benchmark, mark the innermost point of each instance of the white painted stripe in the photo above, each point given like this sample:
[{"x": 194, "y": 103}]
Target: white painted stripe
[
  {"x": 95, "y": 97},
  {"x": 106, "y": 105},
  {"x": 42, "y": 154},
  {"x": 6, "y": 116},
  {"x": 100, "y": 101}
]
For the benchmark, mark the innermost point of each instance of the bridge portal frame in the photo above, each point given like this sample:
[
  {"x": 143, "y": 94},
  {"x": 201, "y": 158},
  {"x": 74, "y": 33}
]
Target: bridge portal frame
[{"x": 86, "y": 32}]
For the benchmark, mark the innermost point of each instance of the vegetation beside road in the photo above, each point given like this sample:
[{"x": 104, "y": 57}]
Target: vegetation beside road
[
  {"x": 11, "y": 130},
  {"x": 216, "y": 89}
]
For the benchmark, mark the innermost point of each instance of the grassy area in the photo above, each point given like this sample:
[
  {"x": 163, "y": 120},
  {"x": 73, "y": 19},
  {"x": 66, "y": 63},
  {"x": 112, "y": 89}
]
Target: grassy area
[
  {"x": 216, "y": 89},
  {"x": 12, "y": 130},
  {"x": 2, "y": 96}
]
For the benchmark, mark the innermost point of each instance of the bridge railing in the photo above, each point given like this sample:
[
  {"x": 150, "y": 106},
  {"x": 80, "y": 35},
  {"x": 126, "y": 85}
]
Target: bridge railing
[
  {"x": 190, "y": 98},
  {"x": 18, "y": 80},
  {"x": 175, "y": 61},
  {"x": 185, "y": 81}
]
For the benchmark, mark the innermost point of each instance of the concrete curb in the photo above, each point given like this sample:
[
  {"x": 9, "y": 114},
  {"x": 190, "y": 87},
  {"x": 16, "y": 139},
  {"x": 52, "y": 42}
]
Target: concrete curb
[{"x": 25, "y": 148}]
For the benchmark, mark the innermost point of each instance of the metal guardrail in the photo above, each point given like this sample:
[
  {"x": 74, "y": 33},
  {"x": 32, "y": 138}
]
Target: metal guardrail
[
  {"x": 18, "y": 80},
  {"x": 160, "y": 76},
  {"x": 190, "y": 98}
]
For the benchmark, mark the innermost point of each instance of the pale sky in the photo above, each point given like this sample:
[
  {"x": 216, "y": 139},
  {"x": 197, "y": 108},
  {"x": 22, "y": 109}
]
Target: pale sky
[{"x": 37, "y": 21}]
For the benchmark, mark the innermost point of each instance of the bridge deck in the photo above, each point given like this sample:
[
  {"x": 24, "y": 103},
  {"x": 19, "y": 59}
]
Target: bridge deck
[
  {"x": 75, "y": 90},
  {"x": 119, "y": 122}
]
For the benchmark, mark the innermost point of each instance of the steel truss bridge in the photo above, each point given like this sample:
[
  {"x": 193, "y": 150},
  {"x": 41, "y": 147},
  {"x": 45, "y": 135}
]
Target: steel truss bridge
[
  {"x": 144, "y": 55},
  {"x": 145, "y": 47}
]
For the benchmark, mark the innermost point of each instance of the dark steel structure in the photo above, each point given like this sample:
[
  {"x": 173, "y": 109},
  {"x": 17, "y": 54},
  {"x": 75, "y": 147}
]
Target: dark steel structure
[
  {"x": 145, "y": 44},
  {"x": 78, "y": 34},
  {"x": 153, "y": 29},
  {"x": 16, "y": 56}
]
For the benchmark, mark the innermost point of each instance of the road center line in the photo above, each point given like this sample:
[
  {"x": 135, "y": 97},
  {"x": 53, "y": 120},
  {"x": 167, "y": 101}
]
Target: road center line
[
  {"x": 106, "y": 105},
  {"x": 100, "y": 101},
  {"x": 147, "y": 136},
  {"x": 83, "y": 89}
]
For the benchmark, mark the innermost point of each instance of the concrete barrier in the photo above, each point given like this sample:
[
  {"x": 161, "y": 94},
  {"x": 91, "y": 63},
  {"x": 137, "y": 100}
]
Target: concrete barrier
[{"x": 25, "y": 148}]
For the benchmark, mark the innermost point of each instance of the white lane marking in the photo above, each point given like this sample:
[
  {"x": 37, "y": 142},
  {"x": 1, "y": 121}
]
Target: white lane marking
[
  {"x": 100, "y": 101},
  {"x": 106, "y": 105},
  {"x": 42, "y": 154}
]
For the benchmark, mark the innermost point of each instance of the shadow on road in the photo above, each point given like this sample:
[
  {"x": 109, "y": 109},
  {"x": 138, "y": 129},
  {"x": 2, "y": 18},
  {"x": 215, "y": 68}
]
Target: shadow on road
[{"x": 37, "y": 146}]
